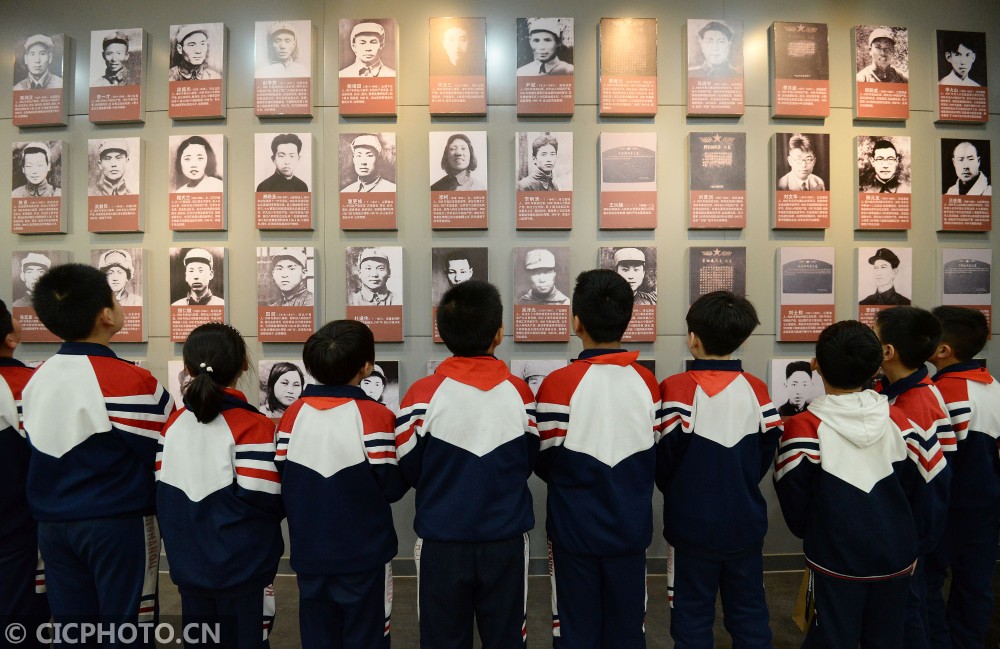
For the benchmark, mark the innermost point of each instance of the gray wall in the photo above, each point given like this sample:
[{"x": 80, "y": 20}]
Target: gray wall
[{"x": 413, "y": 122}]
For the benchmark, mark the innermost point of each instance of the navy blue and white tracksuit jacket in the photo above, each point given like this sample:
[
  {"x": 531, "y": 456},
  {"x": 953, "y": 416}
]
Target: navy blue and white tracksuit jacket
[{"x": 17, "y": 527}]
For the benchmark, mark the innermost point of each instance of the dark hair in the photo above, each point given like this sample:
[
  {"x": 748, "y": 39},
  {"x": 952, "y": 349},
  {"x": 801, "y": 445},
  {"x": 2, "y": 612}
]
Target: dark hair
[
  {"x": 68, "y": 299},
  {"x": 912, "y": 331},
  {"x": 210, "y": 168},
  {"x": 34, "y": 149},
  {"x": 456, "y": 255},
  {"x": 472, "y": 152},
  {"x": 214, "y": 355},
  {"x": 469, "y": 317},
  {"x": 965, "y": 330},
  {"x": 884, "y": 144},
  {"x": 722, "y": 320},
  {"x": 797, "y": 366},
  {"x": 285, "y": 138},
  {"x": 848, "y": 354},
  {"x": 716, "y": 26},
  {"x": 603, "y": 301},
  {"x": 953, "y": 40},
  {"x": 542, "y": 140},
  {"x": 800, "y": 142},
  {"x": 6, "y": 322},
  {"x": 338, "y": 350},
  {"x": 277, "y": 371}
]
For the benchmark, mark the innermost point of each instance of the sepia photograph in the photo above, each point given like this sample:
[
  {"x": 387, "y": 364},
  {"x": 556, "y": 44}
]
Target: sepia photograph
[
  {"x": 457, "y": 47},
  {"x": 197, "y": 163},
  {"x": 535, "y": 370},
  {"x": 882, "y": 54},
  {"x": 283, "y": 49},
  {"x": 114, "y": 166},
  {"x": 38, "y": 62},
  {"x": 367, "y": 48},
  {"x": 27, "y": 267},
  {"x": 367, "y": 162},
  {"x": 197, "y": 52},
  {"x": 36, "y": 169},
  {"x": 382, "y": 384},
  {"x": 544, "y": 47},
  {"x": 116, "y": 57}
]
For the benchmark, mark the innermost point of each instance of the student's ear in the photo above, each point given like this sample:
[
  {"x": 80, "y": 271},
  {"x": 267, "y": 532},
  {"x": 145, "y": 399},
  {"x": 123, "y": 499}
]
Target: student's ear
[
  {"x": 366, "y": 369},
  {"x": 498, "y": 337},
  {"x": 577, "y": 325},
  {"x": 942, "y": 352},
  {"x": 888, "y": 353},
  {"x": 693, "y": 341},
  {"x": 10, "y": 341}
]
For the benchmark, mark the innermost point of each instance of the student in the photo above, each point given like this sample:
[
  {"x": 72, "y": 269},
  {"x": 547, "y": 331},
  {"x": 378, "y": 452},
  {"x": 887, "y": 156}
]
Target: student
[
  {"x": 720, "y": 431},
  {"x": 219, "y": 494},
  {"x": 597, "y": 421},
  {"x": 337, "y": 456},
  {"x": 466, "y": 442},
  {"x": 909, "y": 336},
  {"x": 93, "y": 421},
  {"x": 968, "y": 546},
  {"x": 848, "y": 486},
  {"x": 22, "y": 586}
]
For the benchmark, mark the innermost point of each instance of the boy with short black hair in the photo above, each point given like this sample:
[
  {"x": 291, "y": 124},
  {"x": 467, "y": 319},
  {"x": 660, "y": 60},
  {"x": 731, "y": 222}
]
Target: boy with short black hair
[
  {"x": 337, "y": 457},
  {"x": 22, "y": 585},
  {"x": 719, "y": 434},
  {"x": 93, "y": 421},
  {"x": 597, "y": 418},
  {"x": 466, "y": 441},
  {"x": 968, "y": 546},
  {"x": 850, "y": 486},
  {"x": 909, "y": 335}
]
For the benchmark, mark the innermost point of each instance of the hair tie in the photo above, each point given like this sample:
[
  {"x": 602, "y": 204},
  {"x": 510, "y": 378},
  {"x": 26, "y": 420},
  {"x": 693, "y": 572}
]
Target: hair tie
[{"x": 207, "y": 368}]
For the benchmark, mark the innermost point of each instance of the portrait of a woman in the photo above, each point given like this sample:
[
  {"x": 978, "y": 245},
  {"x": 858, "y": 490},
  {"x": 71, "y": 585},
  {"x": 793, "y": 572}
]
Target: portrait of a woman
[
  {"x": 195, "y": 167},
  {"x": 285, "y": 383},
  {"x": 459, "y": 164}
]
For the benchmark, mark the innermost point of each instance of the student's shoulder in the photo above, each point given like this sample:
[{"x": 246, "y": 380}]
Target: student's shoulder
[
  {"x": 900, "y": 419},
  {"x": 123, "y": 377},
  {"x": 423, "y": 389},
  {"x": 758, "y": 386},
  {"x": 374, "y": 411},
  {"x": 249, "y": 426}
]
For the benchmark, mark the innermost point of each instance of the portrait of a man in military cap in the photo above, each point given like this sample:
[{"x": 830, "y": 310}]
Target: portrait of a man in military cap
[
  {"x": 120, "y": 58},
  {"x": 368, "y": 40},
  {"x": 549, "y": 47},
  {"x": 42, "y": 60},
  {"x": 111, "y": 167}
]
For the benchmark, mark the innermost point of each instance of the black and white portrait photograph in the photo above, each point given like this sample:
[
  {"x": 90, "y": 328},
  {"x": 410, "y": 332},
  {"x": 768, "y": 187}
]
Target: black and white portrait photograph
[
  {"x": 374, "y": 276},
  {"x": 38, "y": 61},
  {"x": 382, "y": 384},
  {"x": 177, "y": 380},
  {"x": 36, "y": 169},
  {"x": 965, "y": 167},
  {"x": 882, "y": 54},
  {"x": 283, "y": 162},
  {"x": 286, "y": 276},
  {"x": 197, "y": 51},
  {"x": 544, "y": 47},
  {"x": 454, "y": 266},
  {"x": 115, "y": 166},
  {"x": 535, "y": 370},
  {"x": 197, "y": 276},
  {"x": 197, "y": 163},
  {"x": 794, "y": 385},
  {"x": 367, "y": 162},
  {"x": 367, "y": 48},
  {"x": 715, "y": 48},
  {"x": 542, "y": 276},
  {"x": 457, "y": 161},
  {"x": 283, "y": 49},
  {"x": 961, "y": 58},
  {"x": 544, "y": 161},
  {"x": 885, "y": 276},
  {"x": 637, "y": 265},
  {"x": 884, "y": 164},
  {"x": 123, "y": 268},
  {"x": 457, "y": 47},
  {"x": 279, "y": 384},
  {"x": 27, "y": 267},
  {"x": 802, "y": 161},
  {"x": 116, "y": 57}
]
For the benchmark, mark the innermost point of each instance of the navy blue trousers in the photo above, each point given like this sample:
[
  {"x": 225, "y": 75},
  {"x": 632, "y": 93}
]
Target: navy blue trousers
[
  {"x": 18, "y": 600},
  {"x": 346, "y": 611},
  {"x": 849, "y": 613},
  {"x": 240, "y": 618}
]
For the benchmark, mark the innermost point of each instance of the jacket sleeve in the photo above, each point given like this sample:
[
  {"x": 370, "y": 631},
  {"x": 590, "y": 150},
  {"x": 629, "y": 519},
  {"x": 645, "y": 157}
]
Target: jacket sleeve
[
  {"x": 256, "y": 478},
  {"x": 552, "y": 417},
  {"x": 770, "y": 432},
  {"x": 672, "y": 442},
  {"x": 380, "y": 450},
  {"x": 929, "y": 497},
  {"x": 139, "y": 419},
  {"x": 411, "y": 439},
  {"x": 795, "y": 468}
]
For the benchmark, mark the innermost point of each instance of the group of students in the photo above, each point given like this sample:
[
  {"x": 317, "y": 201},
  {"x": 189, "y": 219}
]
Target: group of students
[{"x": 888, "y": 498}]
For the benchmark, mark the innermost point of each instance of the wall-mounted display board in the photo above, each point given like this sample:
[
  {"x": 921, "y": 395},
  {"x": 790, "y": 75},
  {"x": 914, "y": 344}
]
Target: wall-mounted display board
[
  {"x": 800, "y": 69},
  {"x": 117, "y": 75},
  {"x": 805, "y": 292},
  {"x": 197, "y": 171},
  {"x": 27, "y": 267},
  {"x": 802, "y": 185},
  {"x": 368, "y": 63},
  {"x": 638, "y": 266},
  {"x": 283, "y": 68},
  {"x": 198, "y": 289},
  {"x": 717, "y": 189},
  {"x": 125, "y": 269},
  {"x": 543, "y": 167},
  {"x": 367, "y": 181},
  {"x": 279, "y": 384},
  {"x": 882, "y": 60},
  {"x": 451, "y": 267},
  {"x": 36, "y": 202},
  {"x": 965, "y": 279},
  {"x": 545, "y": 55},
  {"x": 793, "y": 385},
  {"x": 884, "y": 171},
  {"x": 716, "y": 268},
  {"x": 114, "y": 187},
  {"x": 542, "y": 284},
  {"x": 885, "y": 280},
  {"x": 627, "y": 62},
  {"x": 283, "y": 171},
  {"x": 197, "y": 80},
  {"x": 628, "y": 181},
  {"x": 286, "y": 289},
  {"x": 715, "y": 85},
  {"x": 40, "y": 89},
  {"x": 966, "y": 192},
  {"x": 962, "y": 93},
  {"x": 375, "y": 290},
  {"x": 457, "y": 82},
  {"x": 458, "y": 179}
]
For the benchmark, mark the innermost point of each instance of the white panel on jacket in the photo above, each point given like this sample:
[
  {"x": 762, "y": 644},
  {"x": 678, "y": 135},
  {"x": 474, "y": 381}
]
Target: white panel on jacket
[
  {"x": 319, "y": 440},
  {"x": 198, "y": 458}
]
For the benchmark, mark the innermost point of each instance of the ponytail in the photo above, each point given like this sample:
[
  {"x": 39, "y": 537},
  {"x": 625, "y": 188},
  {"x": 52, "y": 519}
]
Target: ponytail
[{"x": 214, "y": 355}]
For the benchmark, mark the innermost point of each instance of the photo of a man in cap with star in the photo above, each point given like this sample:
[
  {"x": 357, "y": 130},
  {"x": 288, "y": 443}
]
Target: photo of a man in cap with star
[
  {"x": 192, "y": 286},
  {"x": 285, "y": 271},
  {"x": 283, "y": 49},
  {"x": 38, "y": 65},
  {"x": 881, "y": 55},
  {"x": 540, "y": 269},
  {"x": 196, "y": 53},
  {"x": 112, "y": 171},
  {"x": 368, "y": 278},
  {"x": 121, "y": 266},
  {"x": 116, "y": 58},
  {"x": 370, "y": 48},
  {"x": 366, "y": 160},
  {"x": 545, "y": 46}
]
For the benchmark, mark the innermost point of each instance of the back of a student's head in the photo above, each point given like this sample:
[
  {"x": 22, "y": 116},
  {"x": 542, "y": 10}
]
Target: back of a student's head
[
  {"x": 722, "y": 320},
  {"x": 6, "y": 322},
  {"x": 215, "y": 355},
  {"x": 913, "y": 332},
  {"x": 469, "y": 317},
  {"x": 848, "y": 354},
  {"x": 69, "y": 298},
  {"x": 338, "y": 350},
  {"x": 964, "y": 330},
  {"x": 603, "y": 302}
]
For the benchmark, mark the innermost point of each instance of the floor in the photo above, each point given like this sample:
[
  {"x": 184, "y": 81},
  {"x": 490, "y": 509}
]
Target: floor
[{"x": 782, "y": 588}]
